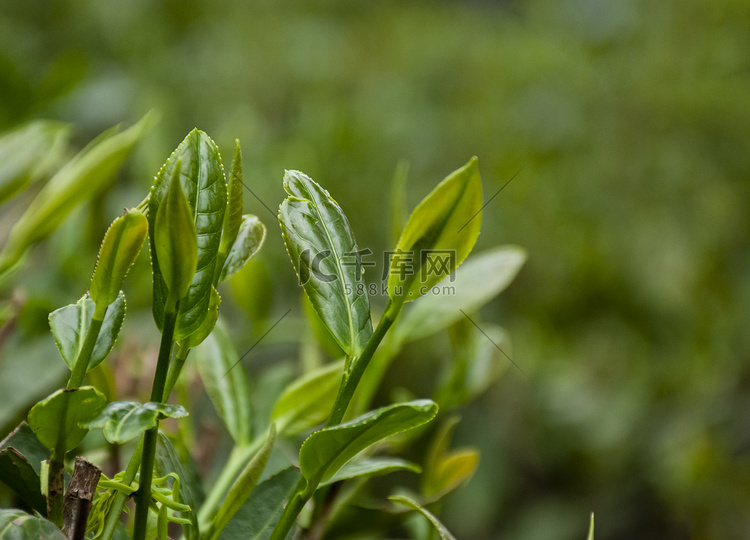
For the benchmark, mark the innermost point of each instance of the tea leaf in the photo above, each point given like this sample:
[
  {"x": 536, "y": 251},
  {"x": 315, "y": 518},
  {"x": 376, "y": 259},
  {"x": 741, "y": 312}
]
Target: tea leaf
[
  {"x": 480, "y": 279},
  {"x": 326, "y": 451},
  {"x": 247, "y": 242},
  {"x": 307, "y": 401},
  {"x": 318, "y": 237},
  {"x": 208, "y": 324},
  {"x": 167, "y": 461},
  {"x": 410, "y": 503},
  {"x": 69, "y": 325},
  {"x": 27, "y": 153},
  {"x": 233, "y": 215},
  {"x": 79, "y": 180},
  {"x": 62, "y": 413},
  {"x": 120, "y": 247},
  {"x": 203, "y": 184},
  {"x": 18, "y": 525},
  {"x": 21, "y": 454},
  {"x": 446, "y": 470},
  {"x": 226, "y": 383},
  {"x": 175, "y": 242},
  {"x": 124, "y": 420},
  {"x": 255, "y": 519},
  {"x": 438, "y": 236},
  {"x": 591, "y": 528},
  {"x": 371, "y": 467}
]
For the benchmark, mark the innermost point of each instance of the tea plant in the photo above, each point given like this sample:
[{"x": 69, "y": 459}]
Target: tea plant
[{"x": 199, "y": 237}]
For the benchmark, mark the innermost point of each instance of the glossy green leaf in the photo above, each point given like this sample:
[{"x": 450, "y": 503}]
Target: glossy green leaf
[
  {"x": 322, "y": 248},
  {"x": 233, "y": 214},
  {"x": 242, "y": 487},
  {"x": 21, "y": 454},
  {"x": 124, "y": 420},
  {"x": 446, "y": 470},
  {"x": 62, "y": 413},
  {"x": 366, "y": 468},
  {"x": 208, "y": 324},
  {"x": 249, "y": 239},
  {"x": 69, "y": 325},
  {"x": 168, "y": 461},
  {"x": 438, "y": 236},
  {"x": 326, "y": 451},
  {"x": 590, "y": 536},
  {"x": 410, "y": 503},
  {"x": 27, "y": 153},
  {"x": 226, "y": 383},
  {"x": 320, "y": 330},
  {"x": 79, "y": 180},
  {"x": 18, "y": 525},
  {"x": 477, "y": 281},
  {"x": 120, "y": 247},
  {"x": 203, "y": 184},
  {"x": 307, "y": 401},
  {"x": 175, "y": 241},
  {"x": 256, "y": 518}
]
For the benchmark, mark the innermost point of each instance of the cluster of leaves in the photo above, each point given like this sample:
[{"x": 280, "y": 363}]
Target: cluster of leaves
[{"x": 199, "y": 237}]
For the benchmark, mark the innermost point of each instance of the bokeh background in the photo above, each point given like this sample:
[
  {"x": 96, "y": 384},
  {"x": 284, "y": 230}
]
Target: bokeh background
[{"x": 628, "y": 123}]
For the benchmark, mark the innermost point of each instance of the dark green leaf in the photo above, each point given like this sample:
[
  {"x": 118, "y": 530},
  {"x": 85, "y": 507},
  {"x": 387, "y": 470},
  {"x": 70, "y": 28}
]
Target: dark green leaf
[
  {"x": 326, "y": 451},
  {"x": 204, "y": 186},
  {"x": 21, "y": 455},
  {"x": 124, "y": 420},
  {"x": 28, "y": 152},
  {"x": 256, "y": 518},
  {"x": 208, "y": 324},
  {"x": 321, "y": 246},
  {"x": 409, "y": 503},
  {"x": 18, "y": 525},
  {"x": 248, "y": 241},
  {"x": 226, "y": 383},
  {"x": 167, "y": 461},
  {"x": 62, "y": 413},
  {"x": 82, "y": 178},
  {"x": 69, "y": 325},
  {"x": 371, "y": 467},
  {"x": 120, "y": 247},
  {"x": 480, "y": 279},
  {"x": 439, "y": 235}
]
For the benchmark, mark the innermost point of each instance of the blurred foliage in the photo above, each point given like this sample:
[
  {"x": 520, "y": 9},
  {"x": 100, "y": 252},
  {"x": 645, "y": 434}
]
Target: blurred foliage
[{"x": 629, "y": 122}]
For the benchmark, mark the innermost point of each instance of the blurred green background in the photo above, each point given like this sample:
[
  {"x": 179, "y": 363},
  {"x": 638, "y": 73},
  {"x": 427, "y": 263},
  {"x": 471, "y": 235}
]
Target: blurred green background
[{"x": 629, "y": 121}]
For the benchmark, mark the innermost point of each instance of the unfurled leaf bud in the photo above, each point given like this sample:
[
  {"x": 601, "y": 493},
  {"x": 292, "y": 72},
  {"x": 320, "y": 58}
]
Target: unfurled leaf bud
[
  {"x": 119, "y": 250},
  {"x": 175, "y": 241}
]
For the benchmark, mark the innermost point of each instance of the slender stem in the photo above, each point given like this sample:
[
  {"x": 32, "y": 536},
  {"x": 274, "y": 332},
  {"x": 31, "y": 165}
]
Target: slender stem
[
  {"x": 291, "y": 511},
  {"x": 351, "y": 379},
  {"x": 120, "y": 498},
  {"x": 84, "y": 356},
  {"x": 143, "y": 496}
]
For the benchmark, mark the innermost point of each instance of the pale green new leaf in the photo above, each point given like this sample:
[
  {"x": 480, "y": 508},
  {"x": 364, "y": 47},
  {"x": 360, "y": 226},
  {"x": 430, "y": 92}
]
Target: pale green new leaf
[
  {"x": 226, "y": 383},
  {"x": 167, "y": 461},
  {"x": 591, "y": 528},
  {"x": 326, "y": 451},
  {"x": 233, "y": 214},
  {"x": 119, "y": 250},
  {"x": 322, "y": 248},
  {"x": 18, "y": 525},
  {"x": 79, "y": 180},
  {"x": 27, "y": 153},
  {"x": 203, "y": 184},
  {"x": 69, "y": 325},
  {"x": 242, "y": 487},
  {"x": 446, "y": 469},
  {"x": 256, "y": 518},
  {"x": 438, "y": 236},
  {"x": 62, "y": 414},
  {"x": 308, "y": 400},
  {"x": 247, "y": 242},
  {"x": 410, "y": 503},
  {"x": 477, "y": 281},
  {"x": 366, "y": 468},
  {"x": 124, "y": 420}
]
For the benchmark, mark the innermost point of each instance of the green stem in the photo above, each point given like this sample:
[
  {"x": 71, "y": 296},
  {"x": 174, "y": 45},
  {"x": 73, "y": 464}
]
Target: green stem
[
  {"x": 143, "y": 496},
  {"x": 174, "y": 371},
  {"x": 351, "y": 379},
  {"x": 120, "y": 498},
  {"x": 305, "y": 489},
  {"x": 84, "y": 356}
]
